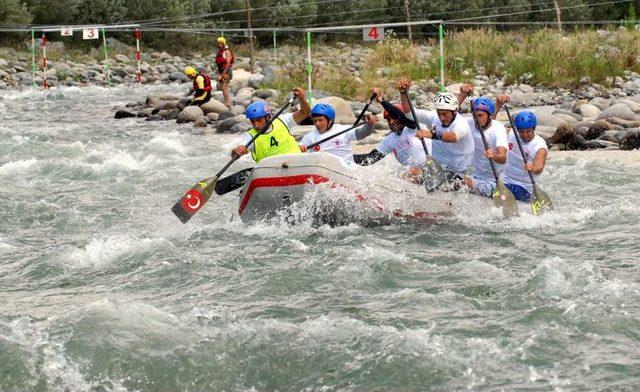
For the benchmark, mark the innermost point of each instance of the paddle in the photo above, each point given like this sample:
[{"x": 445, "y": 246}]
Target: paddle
[
  {"x": 502, "y": 196},
  {"x": 355, "y": 125},
  {"x": 540, "y": 201},
  {"x": 237, "y": 180},
  {"x": 199, "y": 194},
  {"x": 432, "y": 173}
]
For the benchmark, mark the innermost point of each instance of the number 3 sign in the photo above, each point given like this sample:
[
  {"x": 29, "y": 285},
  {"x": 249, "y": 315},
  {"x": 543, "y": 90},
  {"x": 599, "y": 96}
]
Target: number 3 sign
[
  {"x": 373, "y": 33},
  {"x": 90, "y": 33}
]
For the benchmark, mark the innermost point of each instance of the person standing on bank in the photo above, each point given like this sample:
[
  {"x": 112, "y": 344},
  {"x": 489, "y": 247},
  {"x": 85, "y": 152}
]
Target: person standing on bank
[{"x": 224, "y": 63}]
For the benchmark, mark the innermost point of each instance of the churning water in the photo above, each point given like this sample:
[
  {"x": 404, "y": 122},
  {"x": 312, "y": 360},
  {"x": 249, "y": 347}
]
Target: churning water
[{"x": 103, "y": 289}]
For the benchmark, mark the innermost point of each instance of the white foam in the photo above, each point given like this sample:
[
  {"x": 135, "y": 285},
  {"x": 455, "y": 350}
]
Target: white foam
[
  {"x": 103, "y": 252},
  {"x": 168, "y": 143},
  {"x": 17, "y": 167}
]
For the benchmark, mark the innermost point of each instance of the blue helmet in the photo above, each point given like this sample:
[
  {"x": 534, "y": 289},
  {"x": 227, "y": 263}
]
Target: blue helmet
[
  {"x": 525, "y": 120},
  {"x": 484, "y": 104},
  {"x": 257, "y": 109},
  {"x": 322, "y": 109}
]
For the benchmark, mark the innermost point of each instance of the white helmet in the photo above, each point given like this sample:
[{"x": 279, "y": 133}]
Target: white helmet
[{"x": 446, "y": 101}]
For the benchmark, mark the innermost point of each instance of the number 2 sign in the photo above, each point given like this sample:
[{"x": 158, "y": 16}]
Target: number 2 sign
[
  {"x": 373, "y": 33},
  {"x": 90, "y": 33},
  {"x": 66, "y": 31}
]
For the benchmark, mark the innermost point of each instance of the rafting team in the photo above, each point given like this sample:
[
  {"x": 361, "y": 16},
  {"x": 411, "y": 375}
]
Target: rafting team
[{"x": 453, "y": 140}]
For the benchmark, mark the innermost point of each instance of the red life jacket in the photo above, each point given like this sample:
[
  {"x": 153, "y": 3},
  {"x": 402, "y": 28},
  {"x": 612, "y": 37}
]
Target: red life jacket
[
  {"x": 207, "y": 82},
  {"x": 221, "y": 62}
]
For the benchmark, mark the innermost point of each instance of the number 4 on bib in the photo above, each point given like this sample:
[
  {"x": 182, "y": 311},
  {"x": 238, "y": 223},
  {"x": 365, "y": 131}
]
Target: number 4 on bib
[{"x": 273, "y": 142}]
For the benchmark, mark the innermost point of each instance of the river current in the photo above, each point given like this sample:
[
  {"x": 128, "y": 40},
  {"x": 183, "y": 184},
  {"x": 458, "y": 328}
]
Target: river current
[{"x": 103, "y": 289}]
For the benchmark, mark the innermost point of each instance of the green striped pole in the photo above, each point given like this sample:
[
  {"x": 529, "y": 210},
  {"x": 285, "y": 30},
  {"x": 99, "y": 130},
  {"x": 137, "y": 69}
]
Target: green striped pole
[
  {"x": 275, "y": 47},
  {"x": 309, "y": 68},
  {"x": 33, "y": 57},
  {"x": 106, "y": 58},
  {"x": 441, "y": 34}
]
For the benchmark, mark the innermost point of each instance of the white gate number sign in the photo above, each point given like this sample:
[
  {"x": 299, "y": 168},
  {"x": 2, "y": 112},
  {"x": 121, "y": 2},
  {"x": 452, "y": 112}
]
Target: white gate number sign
[
  {"x": 373, "y": 33},
  {"x": 90, "y": 33},
  {"x": 66, "y": 31}
]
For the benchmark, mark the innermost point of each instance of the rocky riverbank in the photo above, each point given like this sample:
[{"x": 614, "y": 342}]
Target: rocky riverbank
[{"x": 590, "y": 116}]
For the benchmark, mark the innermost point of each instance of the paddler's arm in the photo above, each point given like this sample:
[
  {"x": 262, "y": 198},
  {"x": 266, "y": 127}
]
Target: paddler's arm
[
  {"x": 465, "y": 90},
  {"x": 300, "y": 115},
  {"x": 447, "y": 137},
  {"x": 538, "y": 164},
  {"x": 500, "y": 101},
  {"x": 366, "y": 129}
]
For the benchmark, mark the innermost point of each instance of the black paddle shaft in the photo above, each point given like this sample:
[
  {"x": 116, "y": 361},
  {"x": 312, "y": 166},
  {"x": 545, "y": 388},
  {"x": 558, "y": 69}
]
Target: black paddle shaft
[
  {"x": 235, "y": 157},
  {"x": 355, "y": 124},
  {"x": 484, "y": 141},
  {"x": 415, "y": 119},
  {"x": 517, "y": 136}
]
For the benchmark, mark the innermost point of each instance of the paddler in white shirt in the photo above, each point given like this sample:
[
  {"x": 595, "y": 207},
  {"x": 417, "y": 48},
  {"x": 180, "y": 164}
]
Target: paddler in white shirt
[{"x": 324, "y": 116}]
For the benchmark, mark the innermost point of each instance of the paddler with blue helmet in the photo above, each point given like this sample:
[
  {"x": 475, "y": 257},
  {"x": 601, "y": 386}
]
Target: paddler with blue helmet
[
  {"x": 277, "y": 140},
  {"x": 324, "y": 117},
  {"x": 482, "y": 180},
  {"x": 515, "y": 176}
]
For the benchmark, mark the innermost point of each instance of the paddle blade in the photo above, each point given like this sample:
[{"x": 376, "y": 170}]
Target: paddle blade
[
  {"x": 504, "y": 199},
  {"x": 540, "y": 202},
  {"x": 194, "y": 199},
  {"x": 433, "y": 176}
]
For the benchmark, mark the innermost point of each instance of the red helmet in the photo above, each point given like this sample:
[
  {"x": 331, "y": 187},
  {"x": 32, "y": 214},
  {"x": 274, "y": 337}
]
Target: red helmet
[{"x": 397, "y": 106}]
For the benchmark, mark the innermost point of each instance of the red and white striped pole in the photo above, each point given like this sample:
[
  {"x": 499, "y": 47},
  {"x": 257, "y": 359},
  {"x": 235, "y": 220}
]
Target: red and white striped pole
[
  {"x": 138, "y": 35},
  {"x": 45, "y": 84}
]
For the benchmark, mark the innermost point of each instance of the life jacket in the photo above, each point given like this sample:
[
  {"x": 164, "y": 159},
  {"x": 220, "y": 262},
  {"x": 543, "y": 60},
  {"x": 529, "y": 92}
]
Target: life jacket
[
  {"x": 277, "y": 142},
  {"x": 207, "y": 82},
  {"x": 221, "y": 62}
]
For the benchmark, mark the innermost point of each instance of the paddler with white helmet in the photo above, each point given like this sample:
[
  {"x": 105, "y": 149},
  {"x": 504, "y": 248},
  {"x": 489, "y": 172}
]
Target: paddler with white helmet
[
  {"x": 323, "y": 116},
  {"x": 450, "y": 134}
]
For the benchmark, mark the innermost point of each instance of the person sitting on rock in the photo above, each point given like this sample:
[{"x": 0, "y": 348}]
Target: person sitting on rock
[
  {"x": 515, "y": 176},
  {"x": 224, "y": 63},
  {"x": 402, "y": 142},
  {"x": 324, "y": 116},
  {"x": 449, "y": 132},
  {"x": 482, "y": 180},
  {"x": 277, "y": 140},
  {"x": 201, "y": 86}
]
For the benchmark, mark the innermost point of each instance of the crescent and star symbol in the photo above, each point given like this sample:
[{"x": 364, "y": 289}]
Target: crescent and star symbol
[{"x": 192, "y": 201}]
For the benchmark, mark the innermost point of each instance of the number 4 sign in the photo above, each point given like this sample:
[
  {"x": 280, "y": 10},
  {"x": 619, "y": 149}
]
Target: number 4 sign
[
  {"x": 90, "y": 33},
  {"x": 373, "y": 33}
]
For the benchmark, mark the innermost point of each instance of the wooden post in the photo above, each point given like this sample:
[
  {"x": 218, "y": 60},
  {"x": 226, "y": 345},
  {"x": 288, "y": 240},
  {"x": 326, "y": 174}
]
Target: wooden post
[
  {"x": 557, "y": 7},
  {"x": 248, "y": 8},
  {"x": 406, "y": 13}
]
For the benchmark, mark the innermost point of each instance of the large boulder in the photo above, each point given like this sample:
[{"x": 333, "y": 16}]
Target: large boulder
[
  {"x": 178, "y": 77},
  {"x": 124, "y": 114},
  {"x": 587, "y": 110},
  {"x": 226, "y": 126},
  {"x": 619, "y": 110},
  {"x": 156, "y": 100},
  {"x": 344, "y": 113},
  {"x": 190, "y": 114},
  {"x": 630, "y": 140},
  {"x": 243, "y": 94},
  {"x": 213, "y": 106},
  {"x": 240, "y": 79}
]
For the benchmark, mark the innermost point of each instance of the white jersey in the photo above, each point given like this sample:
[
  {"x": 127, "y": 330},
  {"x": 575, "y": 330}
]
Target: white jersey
[
  {"x": 406, "y": 147},
  {"x": 339, "y": 145},
  {"x": 514, "y": 172},
  {"x": 454, "y": 157},
  {"x": 496, "y": 136},
  {"x": 286, "y": 118}
]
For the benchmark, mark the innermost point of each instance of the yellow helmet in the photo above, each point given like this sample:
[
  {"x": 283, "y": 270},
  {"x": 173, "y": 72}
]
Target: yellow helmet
[
  {"x": 190, "y": 71},
  {"x": 221, "y": 40}
]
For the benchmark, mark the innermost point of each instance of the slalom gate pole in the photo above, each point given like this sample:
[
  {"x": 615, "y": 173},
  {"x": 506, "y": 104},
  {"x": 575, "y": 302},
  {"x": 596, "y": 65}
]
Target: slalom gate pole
[
  {"x": 441, "y": 35},
  {"x": 106, "y": 58},
  {"x": 138, "y": 35},
  {"x": 33, "y": 57},
  {"x": 45, "y": 84},
  {"x": 309, "y": 68}
]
